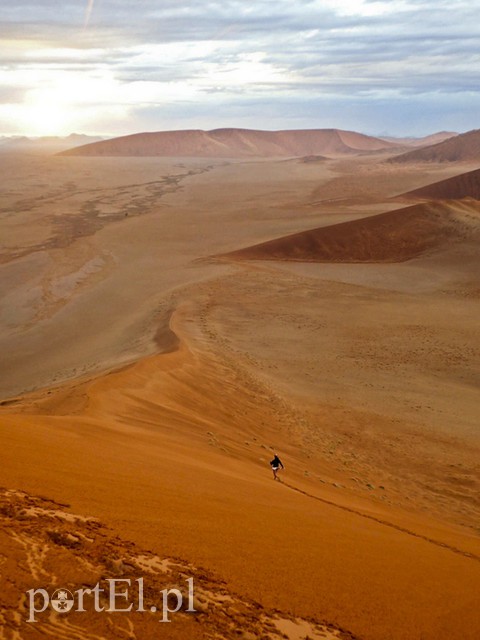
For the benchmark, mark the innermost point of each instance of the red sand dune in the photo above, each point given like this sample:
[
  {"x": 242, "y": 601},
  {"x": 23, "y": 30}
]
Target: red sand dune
[
  {"x": 462, "y": 148},
  {"x": 434, "y": 138},
  {"x": 466, "y": 185},
  {"x": 394, "y": 236},
  {"x": 229, "y": 143}
]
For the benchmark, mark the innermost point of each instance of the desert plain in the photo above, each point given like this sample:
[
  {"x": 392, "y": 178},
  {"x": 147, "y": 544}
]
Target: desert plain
[{"x": 168, "y": 323}]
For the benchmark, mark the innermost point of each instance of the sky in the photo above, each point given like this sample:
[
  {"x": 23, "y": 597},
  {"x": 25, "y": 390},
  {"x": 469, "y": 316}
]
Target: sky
[{"x": 112, "y": 67}]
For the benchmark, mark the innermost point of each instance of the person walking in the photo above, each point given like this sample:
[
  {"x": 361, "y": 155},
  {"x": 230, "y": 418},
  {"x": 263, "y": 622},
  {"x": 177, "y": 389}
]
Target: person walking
[{"x": 276, "y": 465}]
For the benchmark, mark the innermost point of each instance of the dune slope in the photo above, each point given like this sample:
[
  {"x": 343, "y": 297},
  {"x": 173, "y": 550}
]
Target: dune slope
[
  {"x": 234, "y": 143},
  {"x": 185, "y": 476},
  {"x": 394, "y": 236},
  {"x": 461, "y": 148},
  {"x": 466, "y": 185},
  {"x": 433, "y": 138}
]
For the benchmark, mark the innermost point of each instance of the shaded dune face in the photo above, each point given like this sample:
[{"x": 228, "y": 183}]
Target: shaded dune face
[
  {"x": 462, "y": 148},
  {"x": 235, "y": 143},
  {"x": 466, "y": 185},
  {"x": 389, "y": 237}
]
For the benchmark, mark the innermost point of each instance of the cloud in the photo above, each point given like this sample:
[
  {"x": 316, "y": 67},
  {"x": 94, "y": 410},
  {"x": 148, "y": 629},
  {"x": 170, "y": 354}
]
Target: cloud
[
  {"x": 153, "y": 55},
  {"x": 11, "y": 95}
]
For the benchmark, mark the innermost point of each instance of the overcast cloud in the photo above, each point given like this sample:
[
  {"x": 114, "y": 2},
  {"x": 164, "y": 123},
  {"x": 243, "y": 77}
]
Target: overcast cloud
[{"x": 403, "y": 67}]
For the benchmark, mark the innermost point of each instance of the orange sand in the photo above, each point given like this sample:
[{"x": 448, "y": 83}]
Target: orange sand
[{"x": 169, "y": 378}]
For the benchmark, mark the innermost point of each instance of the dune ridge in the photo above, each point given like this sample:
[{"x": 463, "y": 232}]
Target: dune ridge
[
  {"x": 466, "y": 185},
  {"x": 433, "y": 138},
  {"x": 461, "y": 148},
  {"x": 394, "y": 236},
  {"x": 225, "y": 143}
]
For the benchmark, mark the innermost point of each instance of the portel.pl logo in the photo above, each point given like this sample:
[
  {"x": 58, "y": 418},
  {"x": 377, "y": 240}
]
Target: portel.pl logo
[{"x": 119, "y": 595}]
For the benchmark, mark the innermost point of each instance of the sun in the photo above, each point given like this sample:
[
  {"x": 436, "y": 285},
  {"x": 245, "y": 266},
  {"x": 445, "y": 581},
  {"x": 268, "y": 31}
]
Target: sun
[
  {"x": 45, "y": 118},
  {"x": 40, "y": 115},
  {"x": 61, "y": 102},
  {"x": 49, "y": 108}
]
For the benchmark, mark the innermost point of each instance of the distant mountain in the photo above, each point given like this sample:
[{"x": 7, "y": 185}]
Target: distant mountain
[
  {"x": 462, "y": 148},
  {"x": 466, "y": 185},
  {"x": 234, "y": 143},
  {"x": 434, "y": 138},
  {"x": 394, "y": 236},
  {"x": 46, "y": 144},
  {"x": 6, "y": 141}
]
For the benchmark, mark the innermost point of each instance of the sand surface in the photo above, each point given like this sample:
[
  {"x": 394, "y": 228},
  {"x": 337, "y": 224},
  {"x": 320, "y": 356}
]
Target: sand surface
[{"x": 145, "y": 384}]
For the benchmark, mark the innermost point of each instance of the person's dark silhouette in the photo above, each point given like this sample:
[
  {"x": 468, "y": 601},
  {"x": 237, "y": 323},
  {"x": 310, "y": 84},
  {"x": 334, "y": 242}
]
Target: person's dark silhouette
[{"x": 276, "y": 464}]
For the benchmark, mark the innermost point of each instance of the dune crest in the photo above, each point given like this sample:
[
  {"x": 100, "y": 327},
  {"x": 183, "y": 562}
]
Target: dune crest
[
  {"x": 462, "y": 148},
  {"x": 229, "y": 143},
  {"x": 433, "y": 138},
  {"x": 394, "y": 236},
  {"x": 466, "y": 185}
]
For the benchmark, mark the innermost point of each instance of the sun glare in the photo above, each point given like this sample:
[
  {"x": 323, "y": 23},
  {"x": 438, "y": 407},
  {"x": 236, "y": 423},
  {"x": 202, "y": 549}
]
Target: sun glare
[
  {"x": 46, "y": 119},
  {"x": 57, "y": 105}
]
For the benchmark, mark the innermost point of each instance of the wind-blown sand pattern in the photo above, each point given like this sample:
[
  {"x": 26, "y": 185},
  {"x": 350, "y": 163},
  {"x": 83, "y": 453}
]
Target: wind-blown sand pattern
[
  {"x": 146, "y": 384},
  {"x": 42, "y": 539}
]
